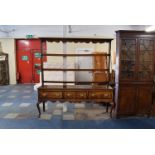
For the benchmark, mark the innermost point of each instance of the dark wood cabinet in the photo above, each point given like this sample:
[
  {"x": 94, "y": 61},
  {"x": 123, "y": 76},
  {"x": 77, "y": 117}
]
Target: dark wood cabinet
[
  {"x": 135, "y": 59},
  {"x": 4, "y": 69}
]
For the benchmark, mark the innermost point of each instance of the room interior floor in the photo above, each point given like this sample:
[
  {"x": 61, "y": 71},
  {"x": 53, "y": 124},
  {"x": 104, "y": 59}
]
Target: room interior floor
[{"x": 18, "y": 111}]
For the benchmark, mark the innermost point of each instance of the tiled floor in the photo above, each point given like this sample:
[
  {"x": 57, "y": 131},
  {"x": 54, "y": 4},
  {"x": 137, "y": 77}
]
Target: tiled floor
[
  {"x": 21, "y": 100},
  {"x": 18, "y": 110}
]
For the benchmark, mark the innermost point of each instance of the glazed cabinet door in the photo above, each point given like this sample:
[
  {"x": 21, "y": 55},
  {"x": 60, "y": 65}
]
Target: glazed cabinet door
[
  {"x": 127, "y": 100},
  {"x": 128, "y": 59},
  {"x": 145, "y": 59}
]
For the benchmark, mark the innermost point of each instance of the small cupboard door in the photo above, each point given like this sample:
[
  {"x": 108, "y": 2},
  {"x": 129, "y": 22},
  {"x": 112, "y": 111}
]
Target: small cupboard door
[
  {"x": 135, "y": 100},
  {"x": 99, "y": 61},
  {"x": 144, "y": 100},
  {"x": 127, "y": 100},
  {"x": 128, "y": 59}
]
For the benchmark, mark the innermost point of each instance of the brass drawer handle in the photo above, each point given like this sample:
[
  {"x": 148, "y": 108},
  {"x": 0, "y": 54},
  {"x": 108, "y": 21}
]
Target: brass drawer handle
[
  {"x": 57, "y": 95},
  {"x": 81, "y": 95},
  {"x": 44, "y": 94},
  {"x": 106, "y": 95},
  {"x": 93, "y": 95},
  {"x": 68, "y": 95}
]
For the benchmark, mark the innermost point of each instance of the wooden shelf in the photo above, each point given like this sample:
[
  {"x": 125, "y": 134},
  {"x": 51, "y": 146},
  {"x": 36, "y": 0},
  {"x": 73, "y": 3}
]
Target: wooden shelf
[
  {"x": 77, "y": 40},
  {"x": 54, "y": 87},
  {"x": 89, "y": 82},
  {"x": 59, "y": 69},
  {"x": 73, "y": 55}
]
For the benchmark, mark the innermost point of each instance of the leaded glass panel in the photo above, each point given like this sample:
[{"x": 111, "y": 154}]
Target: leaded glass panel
[
  {"x": 145, "y": 71},
  {"x": 128, "y": 58}
]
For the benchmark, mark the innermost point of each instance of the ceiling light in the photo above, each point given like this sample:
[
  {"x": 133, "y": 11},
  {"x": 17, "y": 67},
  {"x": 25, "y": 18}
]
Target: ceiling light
[{"x": 150, "y": 28}]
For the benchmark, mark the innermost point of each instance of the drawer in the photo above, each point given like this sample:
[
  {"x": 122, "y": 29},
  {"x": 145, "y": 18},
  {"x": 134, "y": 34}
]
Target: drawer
[
  {"x": 81, "y": 95},
  {"x": 100, "y": 95},
  {"x": 69, "y": 95},
  {"x": 51, "y": 94}
]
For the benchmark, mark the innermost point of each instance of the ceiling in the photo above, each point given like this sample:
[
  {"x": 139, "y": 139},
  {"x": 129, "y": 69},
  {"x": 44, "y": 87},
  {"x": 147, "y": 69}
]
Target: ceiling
[{"x": 20, "y": 31}]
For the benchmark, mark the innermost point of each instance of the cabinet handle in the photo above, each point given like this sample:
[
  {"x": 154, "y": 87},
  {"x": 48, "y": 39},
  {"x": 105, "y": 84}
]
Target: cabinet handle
[
  {"x": 68, "y": 95},
  {"x": 44, "y": 94},
  {"x": 93, "y": 95},
  {"x": 81, "y": 95},
  {"x": 105, "y": 95},
  {"x": 57, "y": 95}
]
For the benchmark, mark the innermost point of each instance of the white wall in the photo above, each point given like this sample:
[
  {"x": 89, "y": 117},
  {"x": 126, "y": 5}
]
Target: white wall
[
  {"x": 72, "y": 47},
  {"x": 8, "y": 46},
  {"x": 20, "y": 31}
]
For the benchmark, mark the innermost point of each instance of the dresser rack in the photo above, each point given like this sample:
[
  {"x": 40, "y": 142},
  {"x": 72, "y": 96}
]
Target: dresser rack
[{"x": 97, "y": 91}]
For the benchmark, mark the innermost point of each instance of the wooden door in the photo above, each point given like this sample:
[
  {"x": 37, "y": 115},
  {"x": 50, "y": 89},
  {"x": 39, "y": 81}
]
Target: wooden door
[
  {"x": 100, "y": 62},
  {"x": 144, "y": 100},
  {"x": 128, "y": 54},
  {"x": 146, "y": 59},
  {"x": 127, "y": 100}
]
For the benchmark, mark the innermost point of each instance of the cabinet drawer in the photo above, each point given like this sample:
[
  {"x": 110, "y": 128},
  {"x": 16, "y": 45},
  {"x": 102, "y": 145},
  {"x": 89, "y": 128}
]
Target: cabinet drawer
[
  {"x": 100, "y": 95},
  {"x": 51, "y": 95},
  {"x": 81, "y": 95},
  {"x": 69, "y": 95}
]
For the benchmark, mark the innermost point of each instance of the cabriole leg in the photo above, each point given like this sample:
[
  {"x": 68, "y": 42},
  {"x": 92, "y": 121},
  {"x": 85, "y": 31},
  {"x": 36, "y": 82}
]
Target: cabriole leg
[
  {"x": 38, "y": 107},
  {"x": 44, "y": 109},
  {"x": 112, "y": 108}
]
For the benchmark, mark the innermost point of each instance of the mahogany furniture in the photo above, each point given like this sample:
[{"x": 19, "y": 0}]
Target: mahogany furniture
[
  {"x": 100, "y": 62},
  {"x": 153, "y": 103},
  {"x": 135, "y": 73},
  {"x": 87, "y": 91},
  {"x": 4, "y": 69}
]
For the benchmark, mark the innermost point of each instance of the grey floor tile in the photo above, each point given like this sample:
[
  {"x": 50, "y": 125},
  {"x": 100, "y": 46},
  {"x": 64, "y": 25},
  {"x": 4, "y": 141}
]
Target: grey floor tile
[
  {"x": 46, "y": 116},
  {"x": 11, "y": 116},
  {"x": 7, "y": 104}
]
